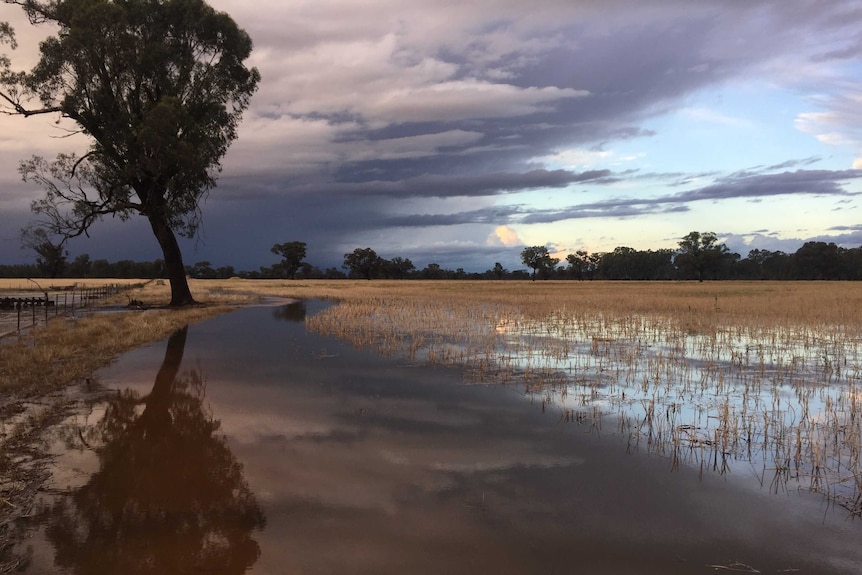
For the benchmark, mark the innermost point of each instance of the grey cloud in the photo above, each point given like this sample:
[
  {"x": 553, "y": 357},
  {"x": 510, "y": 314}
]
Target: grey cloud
[
  {"x": 824, "y": 182},
  {"x": 795, "y": 163},
  {"x": 494, "y": 216},
  {"x": 612, "y": 209},
  {"x": 433, "y": 185},
  {"x": 818, "y": 182}
]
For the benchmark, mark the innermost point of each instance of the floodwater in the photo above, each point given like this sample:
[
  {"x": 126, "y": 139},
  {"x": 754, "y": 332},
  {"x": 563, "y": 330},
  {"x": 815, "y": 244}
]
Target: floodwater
[{"x": 247, "y": 445}]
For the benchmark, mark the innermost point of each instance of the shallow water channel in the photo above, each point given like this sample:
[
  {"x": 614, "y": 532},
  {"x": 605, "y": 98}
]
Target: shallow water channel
[{"x": 245, "y": 444}]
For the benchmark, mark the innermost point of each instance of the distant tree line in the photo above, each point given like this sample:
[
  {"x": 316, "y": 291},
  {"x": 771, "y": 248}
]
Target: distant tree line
[{"x": 699, "y": 256}]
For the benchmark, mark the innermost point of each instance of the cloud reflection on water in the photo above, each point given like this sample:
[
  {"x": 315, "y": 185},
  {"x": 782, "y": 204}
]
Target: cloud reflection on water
[{"x": 365, "y": 464}]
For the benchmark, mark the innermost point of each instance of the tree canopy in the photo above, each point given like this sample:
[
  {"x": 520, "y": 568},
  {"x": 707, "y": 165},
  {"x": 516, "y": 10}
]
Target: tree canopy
[
  {"x": 362, "y": 263},
  {"x": 159, "y": 87},
  {"x": 701, "y": 255},
  {"x": 539, "y": 259},
  {"x": 51, "y": 255},
  {"x": 292, "y": 254}
]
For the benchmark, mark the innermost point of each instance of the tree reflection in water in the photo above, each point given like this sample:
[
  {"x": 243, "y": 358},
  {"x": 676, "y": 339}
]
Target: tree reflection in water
[
  {"x": 291, "y": 312},
  {"x": 169, "y": 496}
]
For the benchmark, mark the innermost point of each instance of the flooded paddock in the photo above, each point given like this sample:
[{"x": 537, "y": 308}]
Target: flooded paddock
[{"x": 247, "y": 444}]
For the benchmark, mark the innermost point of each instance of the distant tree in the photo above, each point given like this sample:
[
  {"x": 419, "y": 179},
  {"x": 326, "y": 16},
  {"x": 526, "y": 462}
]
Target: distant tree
[
  {"x": 292, "y": 254},
  {"x": 766, "y": 265},
  {"x": 51, "y": 255},
  {"x": 202, "y": 270},
  {"x": 818, "y": 261},
  {"x": 538, "y": 258},
  {"x": 656, "y": 264},
  {"x": 19, "y": 271},
  {"x": 582, "y": 264},
  {"x": 308, "y": 271},
  {"x": 433, "y": 271},
  {"x": 363, "y": 263},
  {"x": 225, "y": 272},
  {"x": 618, "y": 264},
  {"x": 851, "y": 263},
  {"x": 499, "y": 272},
  {"x": 398, "y": 268},
  {"x": 159, "y": 87},
  {"x": 101, "y": 268},
  {"x": 701, "y": 256},
  {"x": 333, "y": 273},
  {"x": 124, "y": 269},
  {"x": 80, "y": 266}
]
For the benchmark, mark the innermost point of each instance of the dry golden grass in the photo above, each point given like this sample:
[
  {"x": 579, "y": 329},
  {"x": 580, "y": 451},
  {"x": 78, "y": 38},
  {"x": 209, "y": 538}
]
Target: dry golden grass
[
  {"x": 23, "y": 284},
  {"x": 70, "y": 349},
  {"x": 708, "y": 302},
  {"x": 704, "y": 303}
]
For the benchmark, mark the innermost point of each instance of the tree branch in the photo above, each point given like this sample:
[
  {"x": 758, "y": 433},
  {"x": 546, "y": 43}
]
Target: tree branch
[{"x": 20, "y": 110}]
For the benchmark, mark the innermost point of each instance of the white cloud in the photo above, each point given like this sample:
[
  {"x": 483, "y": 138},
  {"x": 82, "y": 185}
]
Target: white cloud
[
  {"x": 840, "y": 122},
  {"x": 504, "y": 236},
  {"x": 713, "y": 117},
  {"x": 281, "y": 145},
  {"x": 577, "y": 159},
  {"x": 461, "y": 100}
]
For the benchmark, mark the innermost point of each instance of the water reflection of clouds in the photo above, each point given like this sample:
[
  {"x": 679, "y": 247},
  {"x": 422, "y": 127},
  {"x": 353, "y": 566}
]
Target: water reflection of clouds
[
  {"x": 363, "y": 465},
  {"x": 307, "y": 443}
]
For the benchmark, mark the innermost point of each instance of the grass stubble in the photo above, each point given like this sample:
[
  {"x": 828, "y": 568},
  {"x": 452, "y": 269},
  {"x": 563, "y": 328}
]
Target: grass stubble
[{"x": 759, "y": 378}]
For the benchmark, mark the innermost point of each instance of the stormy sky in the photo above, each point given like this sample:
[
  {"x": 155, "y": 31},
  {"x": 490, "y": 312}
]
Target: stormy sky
[{"x": 457, "y": 132}]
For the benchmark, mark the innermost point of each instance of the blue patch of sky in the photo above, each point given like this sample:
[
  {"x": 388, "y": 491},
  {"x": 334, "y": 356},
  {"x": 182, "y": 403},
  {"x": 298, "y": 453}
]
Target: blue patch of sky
[
  {"x": 740, "y": 127},
  {"x": 735, "y": 129}
]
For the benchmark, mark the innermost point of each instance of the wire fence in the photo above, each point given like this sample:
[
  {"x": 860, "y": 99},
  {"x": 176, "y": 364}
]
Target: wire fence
[{"x": 20, "y": 312}]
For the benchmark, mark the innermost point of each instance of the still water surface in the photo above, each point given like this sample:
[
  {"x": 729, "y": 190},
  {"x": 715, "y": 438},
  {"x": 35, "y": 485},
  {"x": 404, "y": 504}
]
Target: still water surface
[{"x": 247, "y": 445}]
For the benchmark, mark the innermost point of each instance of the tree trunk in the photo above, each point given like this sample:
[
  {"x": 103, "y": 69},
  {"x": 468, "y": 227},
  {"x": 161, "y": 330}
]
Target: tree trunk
[
  {"x": 155, "y": 421},
  {"x": 180, "y": 293}
]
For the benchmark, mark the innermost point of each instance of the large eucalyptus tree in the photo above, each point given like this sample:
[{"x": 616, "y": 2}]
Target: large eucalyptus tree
[{"x": 159, "y": 87}]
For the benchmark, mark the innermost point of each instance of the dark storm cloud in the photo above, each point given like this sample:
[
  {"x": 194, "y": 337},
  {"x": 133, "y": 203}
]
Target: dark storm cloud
[
  {"x": 809, "y": 182},
  {"x": 493, "y": 216},
  {"x": 427, "y": 185},
  {"x": 745, "y": 186},
  {"x": 442, "y": 185}
]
